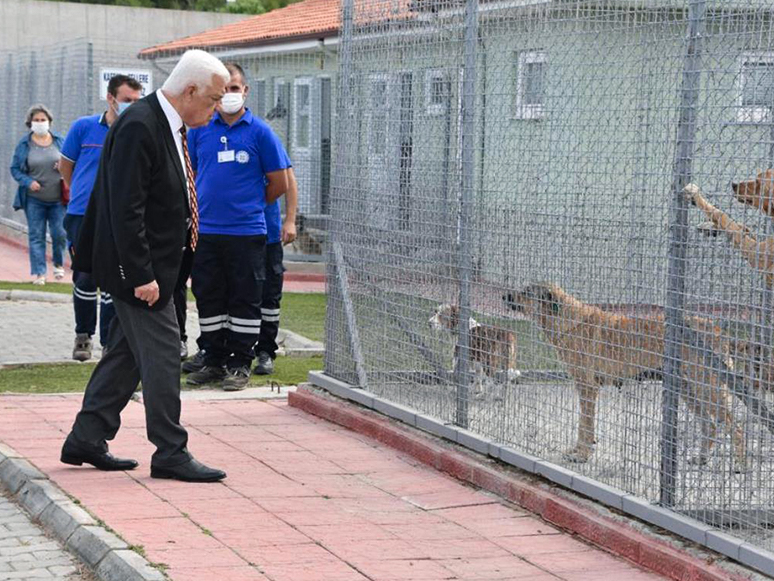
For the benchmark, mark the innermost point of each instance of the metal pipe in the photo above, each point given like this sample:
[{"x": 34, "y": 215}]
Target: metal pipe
[
  {"x": 678, "y": 238},
  {"x": 465, "y": 218}
]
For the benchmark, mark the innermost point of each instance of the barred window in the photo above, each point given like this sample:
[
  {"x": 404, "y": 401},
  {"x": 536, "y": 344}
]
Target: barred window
[
  {"x": 279, "y": 93},
  {"x": 302, "y": 108},
  {"x": 530, "y": 85},
  {"x": 437, "y": 91},
  {"x": 756, "y": 87},
  {"x": 258, "y": 97},
  {"x": 379, "y": 115}
]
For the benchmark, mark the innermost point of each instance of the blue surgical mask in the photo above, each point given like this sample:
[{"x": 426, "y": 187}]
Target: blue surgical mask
[{"x": 123, "y": 107}]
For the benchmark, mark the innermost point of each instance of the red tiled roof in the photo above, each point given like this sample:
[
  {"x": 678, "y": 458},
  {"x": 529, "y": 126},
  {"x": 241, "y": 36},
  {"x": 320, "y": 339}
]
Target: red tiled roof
[{"x": 305, "y": 19}]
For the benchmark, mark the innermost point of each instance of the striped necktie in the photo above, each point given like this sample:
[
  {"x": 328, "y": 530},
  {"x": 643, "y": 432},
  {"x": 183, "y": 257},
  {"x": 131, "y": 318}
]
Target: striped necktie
[{"x": 192, "y": 200}]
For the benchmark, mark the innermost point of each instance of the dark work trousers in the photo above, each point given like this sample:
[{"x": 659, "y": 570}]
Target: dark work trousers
[
  {"x": 180, "y": 294},
  {"x": 227, "y": 281},
  {"x": 145, "y": 346},
  {"x": 270, "y": 305},
  {"x": 85, "y": 295}
]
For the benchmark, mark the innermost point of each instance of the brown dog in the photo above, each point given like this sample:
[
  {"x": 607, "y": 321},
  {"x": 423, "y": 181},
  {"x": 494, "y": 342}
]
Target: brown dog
[
  {"x": 601, "y": 348},
  {"x": 757, "y": 193},
  {"x": 752, "y": 360},
  {"x": 492, "y": 350},
  {"x": 759, "y": 254}
]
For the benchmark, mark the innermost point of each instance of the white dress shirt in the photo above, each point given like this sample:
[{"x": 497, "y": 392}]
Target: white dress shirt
[{"x": 175, "y": 123}]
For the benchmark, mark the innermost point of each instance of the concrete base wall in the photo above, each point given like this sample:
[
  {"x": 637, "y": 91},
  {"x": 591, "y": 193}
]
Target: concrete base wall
[{"x": 108, "y": 27}]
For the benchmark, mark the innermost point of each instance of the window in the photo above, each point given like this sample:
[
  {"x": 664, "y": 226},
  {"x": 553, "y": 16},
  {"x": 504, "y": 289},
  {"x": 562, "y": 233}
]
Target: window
[
  {"x": 531, "y": 85},
  {"x": 437, "y": 92},
  {"x": 756, "y": 88},
  {"x": 279, "y": 108},
  {"x": 258, "y": 96},
  {"x": 302, "y": 108},
  {"x": 352, "y": 93},
  {"x": 379, "y": 116},
  {"x": 279, "y": 93}
]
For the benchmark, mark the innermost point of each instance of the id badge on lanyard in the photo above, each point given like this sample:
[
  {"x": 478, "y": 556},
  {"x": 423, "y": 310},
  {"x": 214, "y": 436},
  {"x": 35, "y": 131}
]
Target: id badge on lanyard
[{"x": 226, "y": 155}]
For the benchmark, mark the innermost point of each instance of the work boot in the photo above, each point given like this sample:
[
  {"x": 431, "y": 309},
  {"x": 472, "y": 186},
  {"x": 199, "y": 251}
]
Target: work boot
[
  {"x": 195, "y": 363},
  {"x": 237, "y": 379},
  {"x": 265, "y": 364},
  {"x": 82, "y": 348},
  {"x": 206, "y": 375}
]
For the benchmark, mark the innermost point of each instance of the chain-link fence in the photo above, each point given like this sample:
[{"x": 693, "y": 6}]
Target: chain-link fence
[
  {"x": 70, "y": 78},
  {"x": 292, "y": 90},
  {"x": 548, "y": 227}
]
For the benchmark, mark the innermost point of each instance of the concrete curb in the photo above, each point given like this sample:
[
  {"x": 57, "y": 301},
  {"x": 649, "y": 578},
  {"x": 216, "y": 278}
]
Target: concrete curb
[
  {"x": 109, "y": 557},
  {"x": 28, "y": 295},
  {"x": 295, "y": 345},
  {"x": 561, "y": 510}
]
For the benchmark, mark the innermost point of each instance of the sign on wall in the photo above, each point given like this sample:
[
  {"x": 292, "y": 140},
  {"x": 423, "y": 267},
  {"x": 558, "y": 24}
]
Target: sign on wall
[{"x": 143, "y": 76}]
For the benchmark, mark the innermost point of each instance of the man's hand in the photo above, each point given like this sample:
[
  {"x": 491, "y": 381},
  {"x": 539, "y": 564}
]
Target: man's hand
[
  {"x": 288, "y": 233},
  {"x": 35, "y": 186},
  {"x": 148, "y": 292}
]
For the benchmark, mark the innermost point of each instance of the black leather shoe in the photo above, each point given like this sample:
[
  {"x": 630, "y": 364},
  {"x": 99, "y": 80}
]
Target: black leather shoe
[
  {"x": 191, "y": 471},
  {"x": 100, "y": 460}
]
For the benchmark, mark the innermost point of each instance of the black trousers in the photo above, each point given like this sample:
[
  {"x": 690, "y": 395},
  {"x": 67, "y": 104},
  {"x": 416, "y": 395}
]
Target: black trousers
[
  {"x": 145, "y": 346},
  {"x": 270, "y": 305},
  {"x": 180, "y": 294},
  {"x": 85, "y": 294},
  {"x": 227, "y": 281}
]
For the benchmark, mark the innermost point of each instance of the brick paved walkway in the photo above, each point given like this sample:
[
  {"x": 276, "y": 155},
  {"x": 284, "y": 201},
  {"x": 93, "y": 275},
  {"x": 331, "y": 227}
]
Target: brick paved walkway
[
  {"x": 15, "y": 263},
  {"x": 304, "y": 500},
  {"x": 27, "y": 553}
]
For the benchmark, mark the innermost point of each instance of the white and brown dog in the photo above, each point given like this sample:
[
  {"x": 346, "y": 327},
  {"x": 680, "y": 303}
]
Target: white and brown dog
[{"x": 492, "y": 350}]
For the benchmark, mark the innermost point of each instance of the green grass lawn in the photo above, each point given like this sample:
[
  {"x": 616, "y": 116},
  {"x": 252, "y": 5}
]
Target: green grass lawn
[
  {"x": 72, "y": 377},
  {"x": 50, "y": 287},
  {"x": 302, "y": 313}
]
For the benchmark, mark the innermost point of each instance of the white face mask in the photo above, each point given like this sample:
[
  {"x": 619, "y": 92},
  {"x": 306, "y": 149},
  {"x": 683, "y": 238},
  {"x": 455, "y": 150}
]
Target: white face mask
[
  {"x": 39, "y": 128},
  {"x": 232, "y": 103}
]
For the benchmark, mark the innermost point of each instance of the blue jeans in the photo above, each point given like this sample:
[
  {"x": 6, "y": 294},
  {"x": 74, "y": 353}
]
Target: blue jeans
[{"x": 38, "y": 214}]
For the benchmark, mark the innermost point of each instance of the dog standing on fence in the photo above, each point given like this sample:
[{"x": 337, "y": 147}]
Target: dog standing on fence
[
  {"x": 600, "y": 348},
  {"x": 758, "y": 253},
  {"x": 492, "y": 351},
  {"x": 754, "y": 360}
]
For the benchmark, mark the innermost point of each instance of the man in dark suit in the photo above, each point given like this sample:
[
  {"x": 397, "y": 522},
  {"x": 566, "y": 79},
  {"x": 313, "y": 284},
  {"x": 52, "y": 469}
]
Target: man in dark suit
[{"x": 141, "y": 217}]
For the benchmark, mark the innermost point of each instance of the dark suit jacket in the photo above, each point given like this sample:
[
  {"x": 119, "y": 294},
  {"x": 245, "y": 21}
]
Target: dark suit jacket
[{"x": 135, "y": 226}]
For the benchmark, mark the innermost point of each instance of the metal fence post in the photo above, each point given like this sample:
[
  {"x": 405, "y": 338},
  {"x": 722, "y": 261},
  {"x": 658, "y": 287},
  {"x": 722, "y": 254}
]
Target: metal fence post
[
  {"x": 678, "y": 237},
  {"x": 336, "y": 265},
  {"x": 465, "y": 218},
  {"x": 765, "y": 334},
  {"x": 90, "y": 77}
]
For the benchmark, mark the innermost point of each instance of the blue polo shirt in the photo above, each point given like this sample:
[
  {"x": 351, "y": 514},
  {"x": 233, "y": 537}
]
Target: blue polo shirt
[
  {"x": 232, "y": 191},
  {"x": 274, "y": 217},
  {"x": 83, "y": 147}
]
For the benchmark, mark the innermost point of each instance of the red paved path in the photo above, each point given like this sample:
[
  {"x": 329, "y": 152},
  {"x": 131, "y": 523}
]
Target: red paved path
[
  {"x": 15, "y": 263},
  {"x": 304, "y": 500}
]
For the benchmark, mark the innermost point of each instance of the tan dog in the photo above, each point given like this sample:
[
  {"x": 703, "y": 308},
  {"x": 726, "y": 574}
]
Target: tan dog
[
  {"x": 492, "y": 350},
  {"x": 752, "y": 360},
  {"x": 759, "y": 254},
  {"x": 757, "y": 193},
  {"x": 601, "y": 348}
]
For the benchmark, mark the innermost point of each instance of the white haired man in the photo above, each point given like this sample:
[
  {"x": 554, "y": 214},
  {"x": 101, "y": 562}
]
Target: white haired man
[{"x": 141, "y": 216}]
